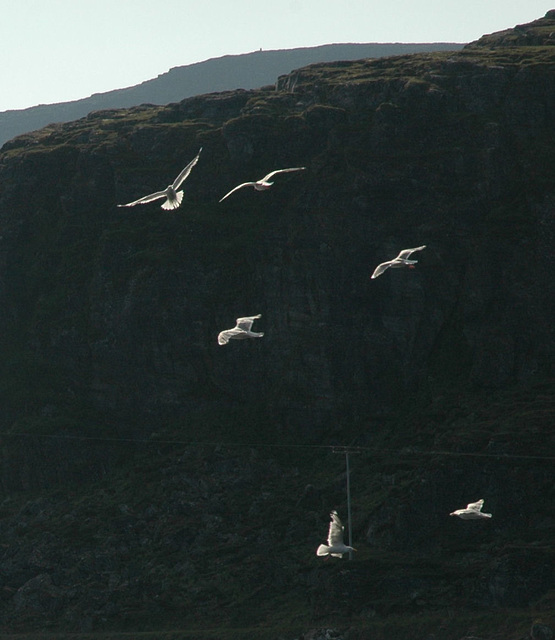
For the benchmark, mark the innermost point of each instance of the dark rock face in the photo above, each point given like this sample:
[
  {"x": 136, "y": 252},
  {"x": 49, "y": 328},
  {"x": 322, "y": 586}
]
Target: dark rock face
[
  {"x": 38, "y": 595},
  {"x": 442, "y": 374},
  {"x": 541, "y": 632},
  {"x": 445, "y": 151}
]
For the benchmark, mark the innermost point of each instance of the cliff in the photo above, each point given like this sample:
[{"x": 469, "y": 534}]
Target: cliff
[
  {"x": 244, "y": 71},
  {"x": 155, "y": 480}
]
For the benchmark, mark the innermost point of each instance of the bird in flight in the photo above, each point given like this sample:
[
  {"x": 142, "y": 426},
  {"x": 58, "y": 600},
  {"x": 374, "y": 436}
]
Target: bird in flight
[
  {"x": 473, "y": 511},
  {"x": 401, "y": 260},
  {"x": 264, "y": 183},
  {"x": 171, "y": 193},
  {"x": 240, "y": 331},
  {"x": 335, "y": 547}
]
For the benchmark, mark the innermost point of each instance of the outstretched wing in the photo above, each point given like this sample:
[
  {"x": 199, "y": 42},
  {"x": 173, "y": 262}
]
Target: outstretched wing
[
  {"x": 239, "y": 186},
  {"x": 475, "y": 506},
  {"x": 335, "y": 533},
  {"x": 381, "y": 268},
  {"x": 246, "y": 323},
  {"x": 273, "y": 173},
  {"x": 225, "y": 336},
  {"x": 406, "y": 252},
  {"x": 150, "y": 198},
  {"x": 185, "y": 173}
]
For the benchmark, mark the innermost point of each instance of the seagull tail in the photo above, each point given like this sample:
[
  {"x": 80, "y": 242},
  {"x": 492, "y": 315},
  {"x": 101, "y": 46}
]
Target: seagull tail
[
  {"x": 488, "y": 515},
  {"x": 323, "y": 550},
  {"x": 173, "y": 204}
]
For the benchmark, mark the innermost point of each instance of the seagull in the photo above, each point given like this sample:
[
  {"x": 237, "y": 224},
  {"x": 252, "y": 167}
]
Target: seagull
[
  {"x": 171, "y": 193},
  {"x": 241, "y": 331},
  {"x": 335, "y": 546},
  {"x": 473, "y": 511},
  {"x": 261, "y": 185},
  {"x": 400, "y": 261}
]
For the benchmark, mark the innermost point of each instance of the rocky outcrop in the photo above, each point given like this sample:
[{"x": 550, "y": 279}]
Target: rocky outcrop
[
  {"x": 227, "y": 73},
  {"x": 539, "y": 33}
]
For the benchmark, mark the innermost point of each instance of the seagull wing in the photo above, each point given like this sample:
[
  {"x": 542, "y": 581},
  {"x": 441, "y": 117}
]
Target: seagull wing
[
  {"x": 239, "y": 186},
  {"x": 225, "y": 336},
  {"x": 406, "y": 252},
  {"x": 273, "y": 173},
  {"x": 185, "y": 173},
  {"x": 145, "y": 199},
  {"x": 475, "y": 506},
  {"x": 335, "y": 533},
  {"x": 246, "y": 323},
  {"x": 381, "y": 268}
]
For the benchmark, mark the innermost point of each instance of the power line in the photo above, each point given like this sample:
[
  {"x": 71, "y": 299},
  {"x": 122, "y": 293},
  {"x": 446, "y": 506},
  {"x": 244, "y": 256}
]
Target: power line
[{"x": 405, "y": 451}]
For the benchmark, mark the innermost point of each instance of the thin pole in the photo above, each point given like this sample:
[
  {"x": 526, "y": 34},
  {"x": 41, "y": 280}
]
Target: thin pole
[{"x": 349, "y": 503}]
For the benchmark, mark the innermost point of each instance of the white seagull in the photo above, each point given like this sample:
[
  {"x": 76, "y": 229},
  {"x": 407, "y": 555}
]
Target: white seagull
[
  {"x": 400, "y": 261},
  {"x": 335, "y": 547},
  {"x": 261, "y": 185},
  {"x": 473, "y": 511},
  {"x": 171, "y": 193},
  {"x": 241, "y": 331}
]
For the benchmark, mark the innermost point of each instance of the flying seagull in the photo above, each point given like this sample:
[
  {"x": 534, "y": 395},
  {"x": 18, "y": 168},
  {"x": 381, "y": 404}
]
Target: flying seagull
[
  {"x": 473, "y": 511},
  {"x": 261, "y": 185},
  {"x": 241, "y": 331},
  {"x": 171, "y": 193},
  {"x": 335, "y": 546},
  {"x": 400, "y": 261}
]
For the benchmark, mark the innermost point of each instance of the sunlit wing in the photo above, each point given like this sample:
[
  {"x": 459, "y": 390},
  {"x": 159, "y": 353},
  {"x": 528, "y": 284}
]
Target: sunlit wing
[
  {"x": 406, "y": 252},
  {"x": 335, "y": 533},
  {"x": 381, "y": 268},
  {"x": 246, "y": 323},
  {"x": 239, "y": 186},
  {"x": 145, "y": 199},
  {"x": 225, "y": 336},
  {"x": 273, "y": 173},
  {"x": 185, "y": 173},
  {"x": 476, "y": 506}
]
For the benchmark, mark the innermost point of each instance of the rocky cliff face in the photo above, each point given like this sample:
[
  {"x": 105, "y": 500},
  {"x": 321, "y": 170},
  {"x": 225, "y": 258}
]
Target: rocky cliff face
[
  {"x": 246, "y": 71},
  {"x": 121, "y": 307},
  {"x": 109, "y": 320}
]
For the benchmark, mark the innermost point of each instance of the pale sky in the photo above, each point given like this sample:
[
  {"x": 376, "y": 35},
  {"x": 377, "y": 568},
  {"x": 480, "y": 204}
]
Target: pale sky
[{"x": 61, "y": 50}]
